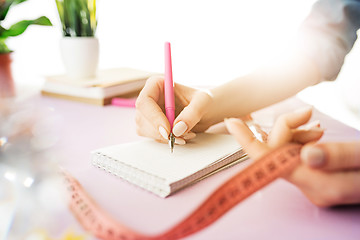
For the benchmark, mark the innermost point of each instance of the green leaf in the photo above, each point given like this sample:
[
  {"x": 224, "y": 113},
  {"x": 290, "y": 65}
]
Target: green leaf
[
  {"x": 3, "y": 47},
  {"x": 19, "y": 1},
  {"x": 78, "y": 17},
  {"x": 92, "y": 10},
  {"x": 20, "y": 27},
  {"x": 60, "y": 8},
  {"x": 2, "y": 30},
  {"x": 5, "y": 6}
]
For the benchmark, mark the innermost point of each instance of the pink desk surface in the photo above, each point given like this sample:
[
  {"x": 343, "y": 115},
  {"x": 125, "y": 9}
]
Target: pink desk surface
[{"x": 279, "y": 211}]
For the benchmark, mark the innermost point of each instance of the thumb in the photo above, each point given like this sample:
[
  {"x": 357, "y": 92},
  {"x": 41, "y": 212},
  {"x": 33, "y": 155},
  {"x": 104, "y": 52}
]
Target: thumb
[
  {"x": 246, "y": 138},
  {"x": 332, "y": 156},
  {"x": 192, "y": 113}
]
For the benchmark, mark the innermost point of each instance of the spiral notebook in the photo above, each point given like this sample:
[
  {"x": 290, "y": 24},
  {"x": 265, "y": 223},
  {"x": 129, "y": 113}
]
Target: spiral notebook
[{"x": 151, "y": 166}]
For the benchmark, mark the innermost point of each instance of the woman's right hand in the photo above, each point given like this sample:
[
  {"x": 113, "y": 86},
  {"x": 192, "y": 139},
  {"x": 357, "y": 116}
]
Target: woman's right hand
[{"x": 191, "y": 105}]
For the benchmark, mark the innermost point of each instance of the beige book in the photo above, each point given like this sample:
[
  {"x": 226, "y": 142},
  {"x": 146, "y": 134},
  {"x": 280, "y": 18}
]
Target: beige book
[{"x": 109, "y": 83}]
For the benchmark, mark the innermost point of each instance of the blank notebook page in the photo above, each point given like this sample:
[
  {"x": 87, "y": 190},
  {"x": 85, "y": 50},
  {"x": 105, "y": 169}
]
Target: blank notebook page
[{"x": 156, "y": 159}]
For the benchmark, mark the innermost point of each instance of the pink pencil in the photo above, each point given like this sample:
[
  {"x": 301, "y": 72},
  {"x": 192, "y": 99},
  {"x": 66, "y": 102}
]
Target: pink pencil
[
  {"x": 123, "y": 102},
  {"x": 169, "y": 93}
]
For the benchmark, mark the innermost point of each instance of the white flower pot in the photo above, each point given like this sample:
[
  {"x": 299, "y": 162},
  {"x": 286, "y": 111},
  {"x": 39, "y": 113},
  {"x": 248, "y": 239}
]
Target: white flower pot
[{"x": 80, "y": 56}]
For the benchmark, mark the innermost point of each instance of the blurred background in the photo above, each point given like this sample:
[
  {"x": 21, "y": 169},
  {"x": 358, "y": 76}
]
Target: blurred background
[{"x": 212, "y": 42}]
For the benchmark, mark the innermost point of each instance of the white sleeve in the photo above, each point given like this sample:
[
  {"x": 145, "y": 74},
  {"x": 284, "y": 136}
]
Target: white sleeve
[{"x": 328, "y": 34}]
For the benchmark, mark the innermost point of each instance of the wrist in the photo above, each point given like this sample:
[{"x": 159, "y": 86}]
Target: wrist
[{"x": 216, "y": 112}]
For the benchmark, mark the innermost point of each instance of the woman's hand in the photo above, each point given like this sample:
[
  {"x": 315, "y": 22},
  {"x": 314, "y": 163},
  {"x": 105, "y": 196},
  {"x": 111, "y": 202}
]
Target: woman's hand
[
  {"x": 338, "y": 168},
  {"x": 329, "y": 173},
  {"x": 190, "y": 104}
]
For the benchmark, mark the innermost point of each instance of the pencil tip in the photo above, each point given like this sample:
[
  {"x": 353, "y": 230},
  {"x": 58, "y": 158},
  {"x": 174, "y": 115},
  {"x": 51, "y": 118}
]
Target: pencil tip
[{"x": 171, "y": 142}]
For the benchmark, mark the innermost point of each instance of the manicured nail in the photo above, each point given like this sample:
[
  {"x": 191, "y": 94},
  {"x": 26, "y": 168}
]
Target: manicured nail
[
  {"x": 179, "y": 128},
  {"x": 317, "y": 129},
  {"x": 312, "y": 124},
  {"x": 163, "y": 133},
  {"x": 229, "y": 123},
  {"x": 228, "y": 120},
  {"x": 189, "y": 135},
  {"x": 303, "y": 110},
  {"x": 313, "y": 156},
  {"x": 180, "y": 141}
]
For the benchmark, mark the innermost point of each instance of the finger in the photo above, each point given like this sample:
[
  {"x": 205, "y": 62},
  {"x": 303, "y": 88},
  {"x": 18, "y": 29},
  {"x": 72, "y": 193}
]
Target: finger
[
  {"x": 192, "y": 113},
  {"x": 245, "y": 138},
  {"x": 345, "y": 188},
  {"x": 154, "y": 88},
  {"x": 310, "y": 125},
  {"x": 148, "y": 101},
  {"x": 180, "y": 141},
  {"x": 281, "y": 132},
  {"x": 306, "y": 136},
  {"x": 332, "y": 156},
  {"x": 189, "y": 135},
  {"x": 327, "y": 188},
  {"x": 146, "y": 129}
]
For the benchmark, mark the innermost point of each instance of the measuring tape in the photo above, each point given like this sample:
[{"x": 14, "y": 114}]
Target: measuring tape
[{"x": 256, "y": 176}]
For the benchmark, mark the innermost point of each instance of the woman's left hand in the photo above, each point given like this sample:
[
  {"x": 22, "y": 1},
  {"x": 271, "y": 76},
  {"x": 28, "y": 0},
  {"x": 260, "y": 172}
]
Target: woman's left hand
[{"x": 321, "y": 186}]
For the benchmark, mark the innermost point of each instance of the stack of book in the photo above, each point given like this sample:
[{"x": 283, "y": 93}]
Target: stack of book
[{"x": 110, "y": 83}]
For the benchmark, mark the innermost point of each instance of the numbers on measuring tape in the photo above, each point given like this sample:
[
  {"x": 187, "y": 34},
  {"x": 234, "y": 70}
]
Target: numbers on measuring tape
[{"x": 235, "y": 190}]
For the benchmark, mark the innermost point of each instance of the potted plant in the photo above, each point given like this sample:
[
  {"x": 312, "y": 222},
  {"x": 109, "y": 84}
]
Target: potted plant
[
  {"x": 7, "y": 88},
  {"x": 79, "y": 46}
]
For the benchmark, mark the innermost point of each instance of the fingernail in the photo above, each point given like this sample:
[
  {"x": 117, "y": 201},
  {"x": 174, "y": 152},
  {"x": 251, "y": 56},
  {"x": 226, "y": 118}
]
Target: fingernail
[
  {"x": 317, "y": 129},
  {"x": 229, "y": 120},
  {"x": 180, "y": 141},
  {"x": 189, "y": 135},
  {"x": 163, "y": 133},
  {"x": 179, "y": 128},
  {"x": 312, "y": 124},
  {"x": 303, "y": 110},
  {"x": 313, "y": 156}
]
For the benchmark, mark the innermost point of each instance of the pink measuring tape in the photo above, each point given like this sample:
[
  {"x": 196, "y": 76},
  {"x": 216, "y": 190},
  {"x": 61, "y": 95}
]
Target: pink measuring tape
[{"x": 259, "y": 174}]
